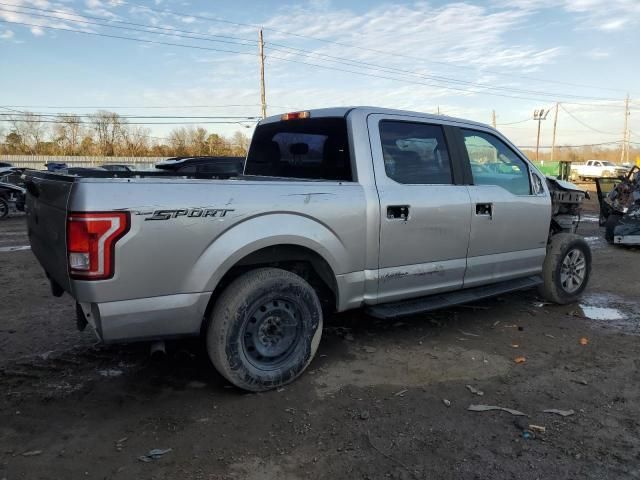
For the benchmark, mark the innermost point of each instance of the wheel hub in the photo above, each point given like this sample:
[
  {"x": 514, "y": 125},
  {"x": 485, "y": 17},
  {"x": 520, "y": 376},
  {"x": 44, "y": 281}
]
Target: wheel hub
[
  {"x": 272, "y": 332},
  {"x": 573, "y": 270}
]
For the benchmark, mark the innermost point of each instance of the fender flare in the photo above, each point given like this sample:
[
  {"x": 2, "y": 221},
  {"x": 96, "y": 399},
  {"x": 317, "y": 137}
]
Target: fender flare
[{"x": 262, "y": 231}]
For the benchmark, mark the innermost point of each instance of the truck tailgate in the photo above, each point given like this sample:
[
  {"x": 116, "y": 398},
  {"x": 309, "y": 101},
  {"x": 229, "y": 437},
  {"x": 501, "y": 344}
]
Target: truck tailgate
[{"x": 47, "y": 199}]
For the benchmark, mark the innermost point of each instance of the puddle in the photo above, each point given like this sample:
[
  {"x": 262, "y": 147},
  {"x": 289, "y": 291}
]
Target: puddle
[
  {"x": 601, "y": 313},
  {"x": 612, "y": 311},
  {"x": 15, "y": 248}
]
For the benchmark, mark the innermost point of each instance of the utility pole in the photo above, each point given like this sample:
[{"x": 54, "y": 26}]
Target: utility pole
[
  {"x": 539, "y": 115},
  {"x": 624, "y": 156},
  {"x": 555, "y": 126},
  {"x": 493, "y": 118},
  {"x": 263, "y": 100}
]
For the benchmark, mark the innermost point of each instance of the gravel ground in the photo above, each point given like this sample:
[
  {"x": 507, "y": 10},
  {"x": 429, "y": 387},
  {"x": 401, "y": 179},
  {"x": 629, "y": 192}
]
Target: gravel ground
[{"x": 381, "y": 399}]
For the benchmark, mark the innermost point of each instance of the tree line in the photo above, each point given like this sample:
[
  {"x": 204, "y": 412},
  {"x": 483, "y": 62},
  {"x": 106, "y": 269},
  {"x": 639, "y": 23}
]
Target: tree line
[{"x": 107, "y": 133}]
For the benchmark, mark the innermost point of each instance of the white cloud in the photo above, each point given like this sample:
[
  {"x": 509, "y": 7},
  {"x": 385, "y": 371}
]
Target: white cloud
[
  {"x": 7, "y": 35},
  {"x": 460, "y": 32},
  {"x": 63, "y": 17},
  {"x": 597, "y": 54},
  {"x": 605, "y": 15},
  {"x": 614, "y": 24}
]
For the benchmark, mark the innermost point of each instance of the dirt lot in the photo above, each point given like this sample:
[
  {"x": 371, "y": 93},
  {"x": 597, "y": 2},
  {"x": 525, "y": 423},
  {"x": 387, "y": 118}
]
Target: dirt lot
[{"x": 372, "y": 404}]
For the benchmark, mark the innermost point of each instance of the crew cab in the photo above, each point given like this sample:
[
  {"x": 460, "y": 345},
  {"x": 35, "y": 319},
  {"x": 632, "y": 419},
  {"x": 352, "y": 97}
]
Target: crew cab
[
  {"x": 341, "y": 208},
  {"x": 597, "y": 169}
]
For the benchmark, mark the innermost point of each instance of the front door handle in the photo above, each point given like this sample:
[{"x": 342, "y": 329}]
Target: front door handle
[
  {"x": 398, "y": 212},
  {"x": 484, "y": 209}
]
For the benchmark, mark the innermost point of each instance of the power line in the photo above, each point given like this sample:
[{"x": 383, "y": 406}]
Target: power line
[
  {"x": 155, "y": 42},
  {"x": 572, "y": 146},
  {"x": 342, "y": 44},
  {"x": 133, "y": 107},
  {"x": 514, "y": 123},
  {"x": 82, "y": 122},
  {"x": 482, "y": 90},
  {"x": 179, "y": 35},
  {"x": 247, "y": 53},
  {"x": 584, "y": 124},
  {"x": 29, "y": 114},
  {"x": 111, "y": 20},
  {"x": 304, "y": 53},
  {"x": 437, "y": 78}
]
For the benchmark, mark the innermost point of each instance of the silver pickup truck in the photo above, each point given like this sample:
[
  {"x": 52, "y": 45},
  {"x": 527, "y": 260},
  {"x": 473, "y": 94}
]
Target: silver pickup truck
[{"x": 341, "y": 208}]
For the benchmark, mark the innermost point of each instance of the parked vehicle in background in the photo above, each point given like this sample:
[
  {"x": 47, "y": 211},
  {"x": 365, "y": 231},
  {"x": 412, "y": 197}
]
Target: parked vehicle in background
[
  {"x": 596, "y": 169},
  {"x": 12, "y": 196},
  {"x": 219, "y": 167},
  {"x": 117, "y": 167},
  {"x": 398, "y": 212},
  {"x": 620, "y": 208}
]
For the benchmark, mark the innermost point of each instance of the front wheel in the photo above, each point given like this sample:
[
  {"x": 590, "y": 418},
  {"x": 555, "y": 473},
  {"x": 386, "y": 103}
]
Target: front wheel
[
  {"x": 566, "y": 269},
  {"x": 265, "y": 329}
]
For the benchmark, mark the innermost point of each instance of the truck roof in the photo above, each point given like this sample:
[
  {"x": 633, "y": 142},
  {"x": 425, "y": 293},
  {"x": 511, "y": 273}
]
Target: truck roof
[{"x": 343, "y": 111}]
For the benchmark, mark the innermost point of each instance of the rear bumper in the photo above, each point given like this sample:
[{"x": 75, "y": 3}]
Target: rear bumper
[{"x": 147, "y": 318}]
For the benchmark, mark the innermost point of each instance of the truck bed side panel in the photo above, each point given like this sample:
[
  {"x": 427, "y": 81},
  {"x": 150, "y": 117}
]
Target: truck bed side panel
[{"x": 185, "y": 233}]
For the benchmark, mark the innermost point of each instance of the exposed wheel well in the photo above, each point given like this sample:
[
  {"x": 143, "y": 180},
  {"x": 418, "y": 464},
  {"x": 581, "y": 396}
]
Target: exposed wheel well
[{"x": 296, "y": 259}]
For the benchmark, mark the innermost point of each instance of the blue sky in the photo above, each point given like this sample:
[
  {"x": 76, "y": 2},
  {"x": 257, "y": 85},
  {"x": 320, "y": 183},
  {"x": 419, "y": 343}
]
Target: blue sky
[{"x": 465, "y": 58}]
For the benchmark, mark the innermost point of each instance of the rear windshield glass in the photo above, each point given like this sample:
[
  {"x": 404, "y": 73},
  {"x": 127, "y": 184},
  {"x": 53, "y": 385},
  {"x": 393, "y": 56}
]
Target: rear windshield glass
[{"x": 313, "y": 148}]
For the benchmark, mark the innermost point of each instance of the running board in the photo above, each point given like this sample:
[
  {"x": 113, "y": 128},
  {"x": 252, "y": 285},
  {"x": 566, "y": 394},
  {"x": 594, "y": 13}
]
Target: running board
[{"x": 434, "y": 302}]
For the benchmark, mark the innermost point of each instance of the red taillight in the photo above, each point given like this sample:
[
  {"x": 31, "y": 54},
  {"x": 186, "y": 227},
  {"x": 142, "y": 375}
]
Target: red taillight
[
  {"x": 91, "y": 240},
  {"x": 295, "y": 115}
]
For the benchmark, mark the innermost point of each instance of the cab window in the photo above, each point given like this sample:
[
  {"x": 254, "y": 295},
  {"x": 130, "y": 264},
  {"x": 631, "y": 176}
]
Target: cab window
[{"x": 494, "y": 163}]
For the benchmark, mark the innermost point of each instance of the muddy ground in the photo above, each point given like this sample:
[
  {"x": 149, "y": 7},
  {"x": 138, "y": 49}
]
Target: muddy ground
[{"x": 372, "y": 404}]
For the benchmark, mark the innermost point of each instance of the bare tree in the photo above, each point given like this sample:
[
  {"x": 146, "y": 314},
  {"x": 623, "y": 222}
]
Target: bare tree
[
  {"x": 136, "y": 141},
  {"x": 68, "y": 134},
  {"x": 108, "y": 127},
  {"x": 197, "y": 141},
  {"x": 31, "y": 130},
  {"x": 179, "y": 141},
  {"x": 240, "y": 143}
]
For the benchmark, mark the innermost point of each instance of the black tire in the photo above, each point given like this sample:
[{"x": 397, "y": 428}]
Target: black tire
[
  {"x": 560, "y": 283},
  {"x": 265, "y": 329},
  {"x": 610, "y": 225},
  {"x": 4, "y": 208}
]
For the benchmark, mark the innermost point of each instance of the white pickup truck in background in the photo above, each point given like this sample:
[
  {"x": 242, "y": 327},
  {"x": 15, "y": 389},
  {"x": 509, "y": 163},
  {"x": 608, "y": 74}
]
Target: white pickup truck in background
[{"x": 596, "y": 169}]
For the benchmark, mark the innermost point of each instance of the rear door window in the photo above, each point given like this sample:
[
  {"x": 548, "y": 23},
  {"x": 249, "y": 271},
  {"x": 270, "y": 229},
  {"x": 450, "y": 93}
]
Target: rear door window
[
  {"x": 415, "y": 153},
  {"x": 313, "y": 148}
]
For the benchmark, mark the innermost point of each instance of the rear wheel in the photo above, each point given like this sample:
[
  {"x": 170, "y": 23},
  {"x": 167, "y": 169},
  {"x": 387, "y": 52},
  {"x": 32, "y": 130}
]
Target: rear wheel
[
  {"x": 566, "y": 269},
  {"x": 265, "y": 329},
  {"x": 4, "y": 208}
]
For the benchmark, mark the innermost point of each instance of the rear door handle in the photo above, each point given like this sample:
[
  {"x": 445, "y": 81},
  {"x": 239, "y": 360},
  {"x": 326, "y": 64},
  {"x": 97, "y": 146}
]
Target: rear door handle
[
  {"x": 484, "y": 209},
  {"x": 398, "y": 212}
]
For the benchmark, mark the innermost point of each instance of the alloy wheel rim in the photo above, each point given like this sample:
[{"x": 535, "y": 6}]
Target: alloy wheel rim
[{"x": 573, "y": 270}]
